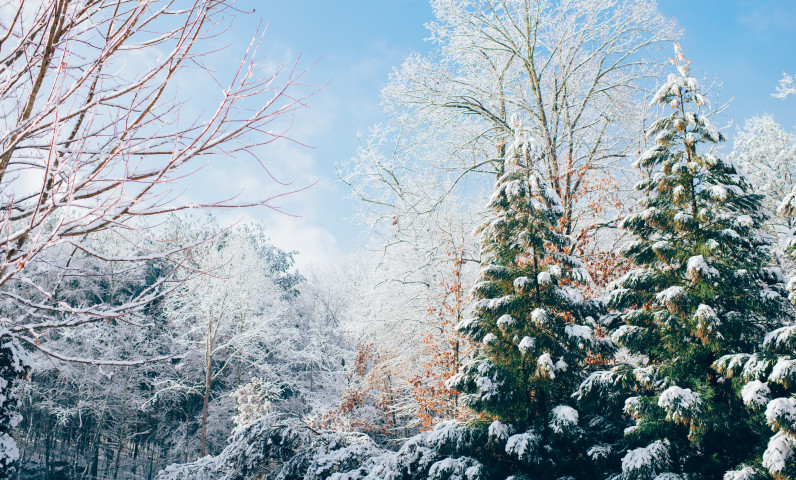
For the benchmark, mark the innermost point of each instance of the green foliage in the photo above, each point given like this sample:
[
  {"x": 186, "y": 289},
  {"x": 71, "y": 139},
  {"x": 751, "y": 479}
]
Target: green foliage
[
  {"x": 701, "y": 290},
  {"x": 534, "y": 328}
]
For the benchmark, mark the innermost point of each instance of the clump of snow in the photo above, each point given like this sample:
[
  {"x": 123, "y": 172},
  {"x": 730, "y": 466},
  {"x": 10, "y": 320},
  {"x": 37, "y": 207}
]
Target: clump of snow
[
  {"x": 681, "y": 404},
  {"x": 521, "y": 284},
  {"x": 523, "y": 446},
  {"x": 571, "y": 295},
  {"x": 784, "y": 373},
  {"x": 579, "y": 331},
  {"x": 561, "y": 365},
  {"x": 756, "y": 394},
  {"x": 599, "y": 452},
  {"x": 499, "y": 431},
  {"x": 545, "y": 367},
  {"x": 708, "y": 323},
  {"x": 782, "y": 338},
  {"x": 539, "y": 316},
  {"x": 526, "y": 344},
  {"x": 672, "y": 297},
  {"x": 745, "y": 473},
  {"x": 698, "y": 268},
  {"x": 756, "y": 367},
  {"x": 490, "y": 339},
  {"x": 544, "y": 278},
  {"x": 461, "y": 468},
  {"x": 563, "y": 418},
  {"x": 506, "y": 321},
  {"x": 646, "y": 462},
  {"x": 632, "y": 407},
  {"x": 669, "y": 476},
  {"x": 646, "y": 376},
  {"x": 781, "y": 413},
  {"x": 779, "y": 453},
  {"x": 744, "y": 221}
]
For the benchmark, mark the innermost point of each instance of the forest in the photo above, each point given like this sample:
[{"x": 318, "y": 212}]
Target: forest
[{"x": 574, "y": 268}]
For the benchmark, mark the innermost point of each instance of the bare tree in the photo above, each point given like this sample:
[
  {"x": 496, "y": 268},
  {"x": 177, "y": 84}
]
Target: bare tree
[
  {"x": 574, "y": 69},
  {"x": 96, "y": 129},
  {"x": 233, "y": 319}
]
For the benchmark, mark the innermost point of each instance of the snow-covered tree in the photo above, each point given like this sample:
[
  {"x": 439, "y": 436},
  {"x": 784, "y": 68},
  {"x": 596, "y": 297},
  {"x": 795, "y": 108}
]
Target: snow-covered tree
[
  {"x": 15, "y": 366},
  {"x": 231, "y": 318},
  {"x": 701, "y": 288},
  {"x": 572, "y": 69},
  {"x": 786, "y": 87},
  {"x": 766, "y": 156},
  {"x": 765, "y": 379},
  {"x": 530, "y": 323},
  {"x": 95, "y": 134}
]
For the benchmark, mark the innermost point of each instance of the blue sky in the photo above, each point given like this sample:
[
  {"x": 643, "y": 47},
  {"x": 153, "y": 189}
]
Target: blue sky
[{"x": 744, "y": 44}]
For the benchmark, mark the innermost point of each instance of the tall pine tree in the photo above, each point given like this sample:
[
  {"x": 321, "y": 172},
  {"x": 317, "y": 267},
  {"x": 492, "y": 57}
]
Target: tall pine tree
[
  {"x": 766, "y": 382},
  {"x": 530, "y": 322},
  {"x": 702, "y": 288}
]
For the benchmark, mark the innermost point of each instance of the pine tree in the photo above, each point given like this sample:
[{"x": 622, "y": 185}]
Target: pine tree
[
  {"x": 702, "y": 288},
  {"x": 766, "y": 382},
  {"x": 15, "y": 365},
  {"x": 529, "y": 323}
]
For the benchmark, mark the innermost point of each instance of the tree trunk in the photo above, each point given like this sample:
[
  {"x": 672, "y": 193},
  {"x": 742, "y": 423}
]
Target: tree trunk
[{"x": 208, "y": 382}]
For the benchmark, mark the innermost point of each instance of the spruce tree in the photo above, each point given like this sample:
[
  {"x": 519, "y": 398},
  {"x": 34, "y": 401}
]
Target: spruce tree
[
  {"x": 530, "y": 322},
  {"x": 701, "y": 289},
  {"x": 766, "y": 382}
]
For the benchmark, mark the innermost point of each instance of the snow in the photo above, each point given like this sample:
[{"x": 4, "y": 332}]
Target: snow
[
  {"x": 779, "y": 453},
  {"x": 523, "y": 446},
  {"x": 490, "y": 339},
  {"x": 466, "y": 324},
  {"x": 781, "y": 413},
  {"x": 539, "y": 316},
  {"x": 784, "y": 373},
  {"x": 571, "y": 295},
  {"x": 646, "y": 376},
  {"x": 744, "y": 221},
  {"x": 563, "y": 417},
  {"x": 499, "y": 431},
  {"x": 783, "y": 338},
  {"x": 731, "y": 234},
  {"x": 626, "y": 332},
  {"x": 545, "y": 367},
  {"x": 669, "y": 476},
  {"x": 526, "y": 344},
  {"x": 632, "y": 407},
  {"x": 506, "y": 321},
  {"x": 681, "y": 404},
  {"x": 745, "y": 473},
  {"x": 646, "y": 461},
  {"x": 521, "y": 284},
  {"x": 698, "y": 268},
  {"x": 544, "y": 278},
  {"x": 671, "y": 297},
  {"x": 579, "y": 331},
  {"x": 756, "y": 394},
  {"x": 599, "y": 452},
  {"x": 683, "y": 218},
  {"x": 461, "y": 468},
  {"x": 707, "y": 322},
  {"x": 756, "y": 367},
  {"x": 486, "y": 381},
  {"x": 718, "y": 193},
  {"x": 561, "y": 365}
]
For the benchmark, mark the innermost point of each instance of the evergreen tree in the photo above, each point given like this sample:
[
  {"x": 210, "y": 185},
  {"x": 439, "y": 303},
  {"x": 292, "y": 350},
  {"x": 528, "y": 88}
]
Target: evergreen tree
[
  {"x": 701, "y": 289},
  {"x": 766, "y": 381},
  {"x": 530, "y": 324},
  {"x": 15, "y": 365}
]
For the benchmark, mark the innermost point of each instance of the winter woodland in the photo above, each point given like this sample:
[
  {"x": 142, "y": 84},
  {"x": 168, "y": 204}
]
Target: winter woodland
[{"x": 570, "y": 272}]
